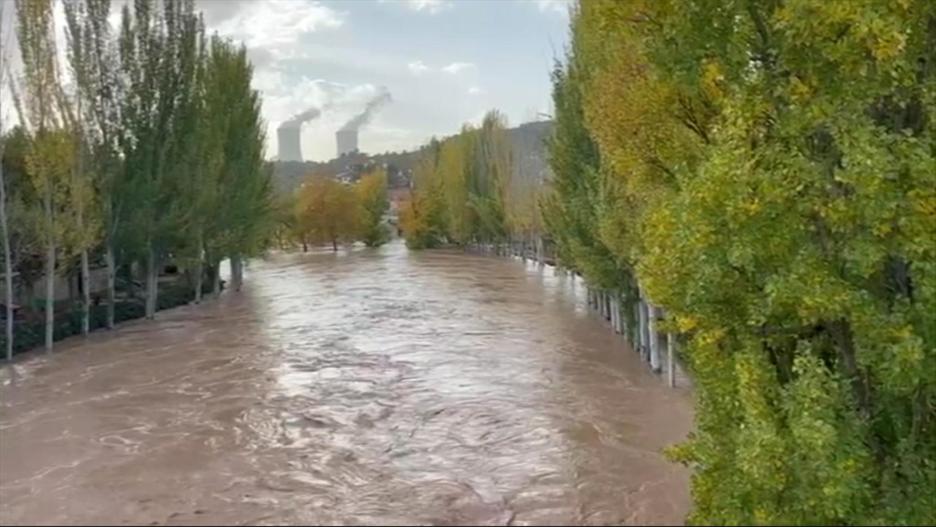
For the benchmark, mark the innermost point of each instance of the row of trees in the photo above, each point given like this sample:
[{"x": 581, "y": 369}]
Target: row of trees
[
  {"x": 766, "y": 173},
  {"x": 145, "y": 146},
  {"x": 464, "y": 191},
  {"x": 327, "y": 211}
]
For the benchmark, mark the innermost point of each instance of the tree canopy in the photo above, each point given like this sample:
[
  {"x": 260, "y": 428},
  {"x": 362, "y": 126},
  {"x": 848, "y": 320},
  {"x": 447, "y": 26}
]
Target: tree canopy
[
  {"x": 152, "y": 152},
  {"x": 765, "y": 171}
]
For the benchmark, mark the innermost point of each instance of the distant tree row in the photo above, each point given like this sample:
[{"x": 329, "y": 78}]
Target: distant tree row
[
  {"x": 144, "y": 147},
  {"x": 327, "y": 211},
  {"x": 464, "y": 191},
  {"x": 765, "y": 172}
]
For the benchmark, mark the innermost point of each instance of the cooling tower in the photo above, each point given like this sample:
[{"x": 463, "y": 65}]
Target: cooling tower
[
  {"x": 347, "y": 141},
  {"x": 289, "y": 147}
]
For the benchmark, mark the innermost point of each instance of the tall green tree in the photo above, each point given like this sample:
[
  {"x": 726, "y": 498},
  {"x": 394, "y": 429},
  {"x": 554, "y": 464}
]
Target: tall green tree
[
  {"x": 247, "y": 204},
  {"x": 84, "y": 172},
  {"x": 489, "y": 173},
  {"x": 327, "y": 211},
  {"x": 573, "y": 205},
  {"x": 4, "y": 227},
  {"x": 772, "y": 175},
  {"x": 48, "y": 161},
  {"x": 95, "y": 65},
  {"x": 158, "y": 51},
  {"x": 423, "y": 217},
  {"x": 371, "y": 192},
  {"x": 453, "y": 170}
]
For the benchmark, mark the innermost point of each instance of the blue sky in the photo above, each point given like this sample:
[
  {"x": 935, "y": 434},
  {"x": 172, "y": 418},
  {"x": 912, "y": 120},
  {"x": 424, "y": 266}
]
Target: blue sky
[{"x": 444, "y": 62}]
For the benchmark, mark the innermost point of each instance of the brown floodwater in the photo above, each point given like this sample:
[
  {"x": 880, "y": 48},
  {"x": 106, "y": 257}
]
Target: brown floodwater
[{"x": 364, "y": 387}]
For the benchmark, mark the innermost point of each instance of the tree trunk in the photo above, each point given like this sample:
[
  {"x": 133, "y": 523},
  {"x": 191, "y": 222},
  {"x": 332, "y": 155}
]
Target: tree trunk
[
  {"x": 199, "y": 277},
  {"x": 237, "y": 276},
  {"x": 152, "y": 282},
  {"x": 50, "y": 295},
  {"x": 49, "y": 270},
  {"x": 216, "y": 277},
  {"x": 334, "y": 245},
  {"x": 199, "y": 273},
  {"x": 652, "y": 327},
  {"x": 841, "y": 333},
  {"x": 671, "y": 359},
  {"x": 7, "y": 265},
  {"x": 85, "y": 293},
  {"x": 111, "y": 284},
  {"x": 635, "y": 334},
  {"x": 642, "y": 328},
  {"x": 305, "y": 246}
]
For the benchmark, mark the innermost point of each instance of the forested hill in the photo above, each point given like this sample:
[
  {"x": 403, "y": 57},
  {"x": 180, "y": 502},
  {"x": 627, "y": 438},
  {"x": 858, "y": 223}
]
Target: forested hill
[{"x": 528, "y": 141}]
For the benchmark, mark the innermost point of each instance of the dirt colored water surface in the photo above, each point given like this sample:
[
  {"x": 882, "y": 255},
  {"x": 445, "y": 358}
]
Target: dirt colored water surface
[{"x": 364, "y": 387}]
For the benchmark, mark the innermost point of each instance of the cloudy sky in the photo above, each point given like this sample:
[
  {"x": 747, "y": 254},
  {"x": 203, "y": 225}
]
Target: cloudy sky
[{"x": 445, "y": 62}]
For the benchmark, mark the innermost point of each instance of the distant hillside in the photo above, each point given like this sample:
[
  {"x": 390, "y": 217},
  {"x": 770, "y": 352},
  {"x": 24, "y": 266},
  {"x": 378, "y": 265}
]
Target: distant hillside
[
  {"x": 529, "y": 150},
  {"x": 288, "y": 175},
  {"x": 528, "y": 140}
]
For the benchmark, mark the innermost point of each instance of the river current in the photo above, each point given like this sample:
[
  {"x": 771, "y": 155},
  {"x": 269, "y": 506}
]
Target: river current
[{"x": 360, "y": 387}]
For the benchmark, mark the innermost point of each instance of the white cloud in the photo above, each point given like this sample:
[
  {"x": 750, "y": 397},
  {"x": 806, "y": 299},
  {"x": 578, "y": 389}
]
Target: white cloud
[
  {"x": 475, "y": 90},
  {"x": 429, "y": 6},
  {"x": 279, "y": 22},
  {"x": 555, "y": 6},
  {"x": 417, "y": 67},
  {"x": 456, "y": 67}
]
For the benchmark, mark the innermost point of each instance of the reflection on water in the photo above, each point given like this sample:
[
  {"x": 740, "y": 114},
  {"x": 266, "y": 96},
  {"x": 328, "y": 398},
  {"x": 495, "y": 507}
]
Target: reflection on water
[{"x": 374, "y": 386}]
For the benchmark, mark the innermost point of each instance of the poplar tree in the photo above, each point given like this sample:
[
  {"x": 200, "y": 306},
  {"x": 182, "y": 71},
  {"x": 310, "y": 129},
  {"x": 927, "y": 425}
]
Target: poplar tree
[
  {"x": 49, "y": 158},
  {"x": 771, "y": 168},
  {"x": 371, "y": 194},
  {"x": 158, "y": 51}
]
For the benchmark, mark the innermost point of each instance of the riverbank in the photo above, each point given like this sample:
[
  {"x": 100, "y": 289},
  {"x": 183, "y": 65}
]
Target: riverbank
[
  {"x": 29, "y": 328},
  {"x": 638, "y": 322}
]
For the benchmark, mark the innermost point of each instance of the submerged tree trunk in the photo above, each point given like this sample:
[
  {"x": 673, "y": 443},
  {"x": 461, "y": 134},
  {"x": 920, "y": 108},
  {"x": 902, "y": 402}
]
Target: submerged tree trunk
[
  {"x": 671, "y": 359},
  {"x": 199, "y": 276},
  {"x": 653, "y": 328},
  {"x": 50, "y": 295},
  {"x": 199, "y": 271},
  {"x": 49, "y": 270},
  {"x": 216, "y": 277},
  {"x": 643, "y": 333},
  {"x": 111, "y": 284},
  {"x": 85, "y": 293},
  {"x": 334, "y": 245},
  {"x": 237, "y": 272},
  {"x": 152, "y": 282},
  {"x": 7, "y": 266}
]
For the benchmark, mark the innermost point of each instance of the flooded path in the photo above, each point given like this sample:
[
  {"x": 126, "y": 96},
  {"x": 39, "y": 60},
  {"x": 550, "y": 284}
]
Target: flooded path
[{"x": 369, "y": 387}]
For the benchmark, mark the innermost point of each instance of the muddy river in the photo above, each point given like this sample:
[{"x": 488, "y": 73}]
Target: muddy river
[{"x": 363, "y": 387}]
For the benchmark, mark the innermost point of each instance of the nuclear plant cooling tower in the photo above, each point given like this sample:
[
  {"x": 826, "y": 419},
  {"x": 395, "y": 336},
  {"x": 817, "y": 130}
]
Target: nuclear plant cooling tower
[
  {"x": 289, "y": 134},
  {"x": 289, "y": 146},
  {"x": 347, "y": 136},
  {"x": 347, "y": 141}
]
